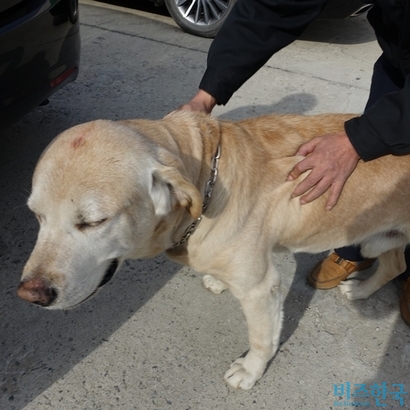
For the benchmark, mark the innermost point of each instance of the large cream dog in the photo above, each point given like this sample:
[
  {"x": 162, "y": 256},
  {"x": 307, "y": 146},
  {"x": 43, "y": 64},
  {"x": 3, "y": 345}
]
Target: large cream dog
[{"x": 105, "y": 191}]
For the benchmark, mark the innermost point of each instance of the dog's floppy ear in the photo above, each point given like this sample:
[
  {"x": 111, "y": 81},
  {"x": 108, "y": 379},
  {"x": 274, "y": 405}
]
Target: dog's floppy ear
[{"x": 171, "y": 190}]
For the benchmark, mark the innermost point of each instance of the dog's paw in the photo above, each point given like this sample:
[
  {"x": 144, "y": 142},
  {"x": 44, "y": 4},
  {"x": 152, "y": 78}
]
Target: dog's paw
[
  {"x": 213, "y": 285},
  {"x": 353, "y": 289},
  {"x": 239, "y": 377}
]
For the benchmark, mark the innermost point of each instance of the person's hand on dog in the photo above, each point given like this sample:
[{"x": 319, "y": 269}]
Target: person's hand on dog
[
  {"x": 331, "y": 159},
  {"x": 201, "y": 101}
]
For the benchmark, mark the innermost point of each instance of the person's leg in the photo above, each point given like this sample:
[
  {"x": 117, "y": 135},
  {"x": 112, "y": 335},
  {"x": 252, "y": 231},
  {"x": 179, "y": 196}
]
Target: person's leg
[
  {"x": 350, "y": 253},
  {"x": 344, "y": 261}
]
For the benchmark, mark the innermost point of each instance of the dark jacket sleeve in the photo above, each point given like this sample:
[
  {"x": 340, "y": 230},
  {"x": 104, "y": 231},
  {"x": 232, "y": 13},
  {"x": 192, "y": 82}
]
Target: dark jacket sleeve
[
  {"x": 384, "y": 128},
  {"x": 252, "y": 33}
]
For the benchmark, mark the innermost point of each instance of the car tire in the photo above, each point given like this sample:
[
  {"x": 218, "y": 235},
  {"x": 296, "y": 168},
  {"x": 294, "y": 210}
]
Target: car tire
[{"x": 200, "y": 17}]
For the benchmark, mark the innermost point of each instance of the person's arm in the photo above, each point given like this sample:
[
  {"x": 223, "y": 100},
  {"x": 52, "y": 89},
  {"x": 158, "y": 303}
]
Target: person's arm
[
  {"x": 251, "y": 34},
  {"x": 384, "y": 128},
  {"x": 201, "y": 101}
]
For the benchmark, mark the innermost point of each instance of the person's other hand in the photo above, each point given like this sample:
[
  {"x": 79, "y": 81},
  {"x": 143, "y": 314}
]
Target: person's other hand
[
  {"x": 331, "y": 159},
  {"x": 201, "y": 101}
]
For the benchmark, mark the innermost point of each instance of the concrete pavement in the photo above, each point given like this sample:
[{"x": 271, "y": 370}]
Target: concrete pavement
[{"x": 154, "y": 338}]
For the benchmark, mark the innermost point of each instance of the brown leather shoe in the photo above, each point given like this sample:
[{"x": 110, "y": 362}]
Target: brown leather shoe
[
  {"x": 328, "y": 273},
  {"x": 405, "y": 302}
]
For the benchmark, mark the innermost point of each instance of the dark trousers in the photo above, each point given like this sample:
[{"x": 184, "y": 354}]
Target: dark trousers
[{"x": 386, "y": 79}]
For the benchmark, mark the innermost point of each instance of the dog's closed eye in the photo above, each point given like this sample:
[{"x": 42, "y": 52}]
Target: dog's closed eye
[{"x": 85, "y": 224}]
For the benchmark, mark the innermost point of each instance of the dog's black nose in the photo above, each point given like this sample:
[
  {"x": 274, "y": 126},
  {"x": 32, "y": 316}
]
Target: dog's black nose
[{"x": 37, "y": 291}]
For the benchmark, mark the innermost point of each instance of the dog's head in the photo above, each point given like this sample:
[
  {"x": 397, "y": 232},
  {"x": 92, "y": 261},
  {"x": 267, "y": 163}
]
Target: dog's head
[{"x": 101, "y": 193}]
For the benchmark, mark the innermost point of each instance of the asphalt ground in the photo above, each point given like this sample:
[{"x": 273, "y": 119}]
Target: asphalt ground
[{"x": 154, "y": 338}]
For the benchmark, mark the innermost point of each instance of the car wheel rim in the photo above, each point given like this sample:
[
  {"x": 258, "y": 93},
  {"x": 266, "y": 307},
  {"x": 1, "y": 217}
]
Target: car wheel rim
[{"x": 202, "y": 12}]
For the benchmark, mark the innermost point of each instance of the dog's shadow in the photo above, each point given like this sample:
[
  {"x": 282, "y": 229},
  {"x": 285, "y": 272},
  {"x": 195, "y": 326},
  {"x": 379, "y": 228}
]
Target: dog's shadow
[
  {"x": 43, "y": 345},
  {"x": 299, "y": 293},
  {"x": 47, "y": 352}
]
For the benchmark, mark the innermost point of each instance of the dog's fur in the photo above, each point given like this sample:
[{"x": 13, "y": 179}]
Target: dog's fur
[{"x": 106, "y": 191}]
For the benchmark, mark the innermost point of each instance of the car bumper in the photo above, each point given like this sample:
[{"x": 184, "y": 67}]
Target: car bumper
[{"x": 39, "y": 54}]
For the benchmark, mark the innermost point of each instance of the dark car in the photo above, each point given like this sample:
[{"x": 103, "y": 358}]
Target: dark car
[
  {"x": 205, "y": 17},
  {"x": 39, "y": 53}
]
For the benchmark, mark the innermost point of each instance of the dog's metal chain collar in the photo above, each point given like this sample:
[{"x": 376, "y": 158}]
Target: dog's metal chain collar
[{"x": 208, "y": 194}]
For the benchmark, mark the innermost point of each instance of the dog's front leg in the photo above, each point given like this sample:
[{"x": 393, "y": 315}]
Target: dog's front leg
[{"x": 262, "y": 306}]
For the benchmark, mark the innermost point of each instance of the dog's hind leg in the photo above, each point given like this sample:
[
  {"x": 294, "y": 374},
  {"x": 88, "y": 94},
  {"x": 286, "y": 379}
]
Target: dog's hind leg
[
  {"x": 391, "y": 264},
  {"x": 262, "y": 306}
]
